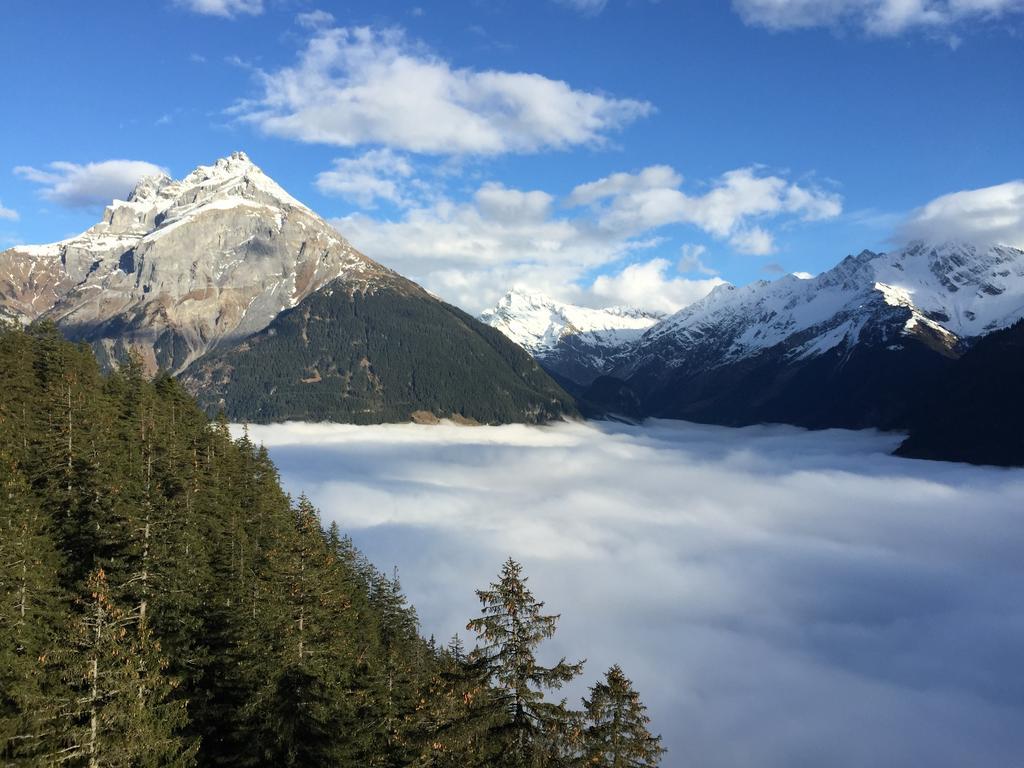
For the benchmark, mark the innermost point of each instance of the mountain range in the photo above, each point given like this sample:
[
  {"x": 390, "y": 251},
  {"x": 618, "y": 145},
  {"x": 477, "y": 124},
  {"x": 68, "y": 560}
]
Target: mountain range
[
  {"x": 267, "y": 313},
  {"x": 225, "y": 279},
  {"x": 860, "y": 345}
]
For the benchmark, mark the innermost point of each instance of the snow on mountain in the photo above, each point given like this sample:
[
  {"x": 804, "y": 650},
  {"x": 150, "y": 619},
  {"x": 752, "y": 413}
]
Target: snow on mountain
[
  {"x": 181, "y": 266},
  {"x": 951, "y": 292},
  {"x": 537, "y": 322},
  {"x": 857, "y": 346},
  {"x": 568, "y": 337}
]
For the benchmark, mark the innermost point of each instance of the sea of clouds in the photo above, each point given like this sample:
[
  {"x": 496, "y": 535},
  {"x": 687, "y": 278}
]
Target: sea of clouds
[{"x": 779, "y": 597}]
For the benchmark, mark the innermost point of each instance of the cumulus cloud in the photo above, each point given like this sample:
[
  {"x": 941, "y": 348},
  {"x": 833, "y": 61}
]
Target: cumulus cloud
[
  {"x": 987, "y": 216},
  {"x": 8, "y": 213},
  {"x": 754, "y": 241},
  {"x": 224, "y": 8},
  {"x": 653, "y": 198},
  {"x": 92, "y": 184},
  {"x": 779, "y": 597},
  {"x": 360, "y": 86},
  {"x": 470, "y": 253},
  {"x": 877, "y": 17},
  {"x": 649, "y": 286},
  {"x": 376, "y": 174}
]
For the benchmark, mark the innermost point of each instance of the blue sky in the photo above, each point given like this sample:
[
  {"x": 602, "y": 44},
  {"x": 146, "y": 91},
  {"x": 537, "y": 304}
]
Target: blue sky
[{"x": 626, "y": 151}]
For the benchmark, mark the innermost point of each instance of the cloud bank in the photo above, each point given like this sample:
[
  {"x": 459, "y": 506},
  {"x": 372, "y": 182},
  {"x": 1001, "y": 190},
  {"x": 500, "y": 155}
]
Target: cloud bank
[
  {"x": 780, "y": 598},
  {"x": 573, "y": 249},
  {"x": 84, "y": 186},
  {"x": 365, "y": 86},
  {"x": 8, "y": 213}
]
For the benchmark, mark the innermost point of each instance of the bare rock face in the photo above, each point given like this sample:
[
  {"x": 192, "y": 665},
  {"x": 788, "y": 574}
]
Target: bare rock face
[{"x": 182, "y": 267}]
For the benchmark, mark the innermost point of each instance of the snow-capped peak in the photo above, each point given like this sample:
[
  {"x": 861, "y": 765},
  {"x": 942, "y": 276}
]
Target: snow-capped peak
[
  {"x": 538, "y": 323},
  {"x": 952, "y": 291},
  {"x": 220, "y": 252}
]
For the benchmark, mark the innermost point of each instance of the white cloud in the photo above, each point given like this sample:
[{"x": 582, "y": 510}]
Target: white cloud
[
  {"x": 376, "y": 174},
  {"x": 803, "y": 275},
  {"x": 649, "y": 286},
  {"x": 315, "y": 19},
  {"x": 690, "y": 259},
  {"x": 652, "y": 198},
  {"x": 83, "y": 186},
  {"x": 779, "y": 597},
  {"x": 987, "y": 216},
  {"x": 471, "y": 253},
  {"x": 8, "y": 213},
  {"x": 588, "y": 7},
  {"x": 878, "y": 17},
  {"x": 368, "y": 86},
  {"x": 224, "y": 8},
  {"x": 754, "y": 241}
]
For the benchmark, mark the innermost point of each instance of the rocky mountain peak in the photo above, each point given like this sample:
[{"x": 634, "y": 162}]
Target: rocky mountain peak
[{"x": 183, "y": 265}]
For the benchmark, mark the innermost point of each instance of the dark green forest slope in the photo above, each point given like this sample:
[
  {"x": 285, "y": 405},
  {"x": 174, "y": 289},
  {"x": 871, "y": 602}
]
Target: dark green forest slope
[
  {"x": 164, "y": 603},
  {"x": 974, "y": 413},
  {"x": 379, "y": 356}
]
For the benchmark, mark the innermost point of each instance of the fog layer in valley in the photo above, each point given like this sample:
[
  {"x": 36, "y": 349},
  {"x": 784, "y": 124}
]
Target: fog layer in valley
[{"x": 780, "y": 598}]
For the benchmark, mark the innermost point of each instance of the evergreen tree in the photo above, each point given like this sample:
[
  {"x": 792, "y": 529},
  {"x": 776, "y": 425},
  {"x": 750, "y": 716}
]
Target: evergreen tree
[
  {"x": 120, "y": 712},
  {"x": 527, "y": 730},
  {"x": 164, "y": 603},
  {"x": 303, "y": 707},
  {"x": 31, "y": 616},
  {"x": 616, "y": 734}
]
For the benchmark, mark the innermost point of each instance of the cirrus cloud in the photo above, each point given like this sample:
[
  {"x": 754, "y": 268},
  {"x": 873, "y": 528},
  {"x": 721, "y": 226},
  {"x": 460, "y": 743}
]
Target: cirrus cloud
[
  {"x": 84, "y": 186},
  {"x": 364, "y": 86},
  {"x": 8, "y": 213},
  {"x": 224, "y": 8},
  {"x": 876, "y": 17}
]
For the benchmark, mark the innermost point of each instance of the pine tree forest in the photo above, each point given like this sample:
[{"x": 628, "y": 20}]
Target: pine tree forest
[{"x": 163, "y": 602}]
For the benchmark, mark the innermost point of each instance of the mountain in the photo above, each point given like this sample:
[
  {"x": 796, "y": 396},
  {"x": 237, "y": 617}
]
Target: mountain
[
  {"x": 974, "y": 413},
  {"x": 266, "y": 311},
  {"x": 576, "y": 344},
  {"x": 182, "y": 266},
  {"x": 367, "y": 356},
  {"x": 852, "y": 347}
]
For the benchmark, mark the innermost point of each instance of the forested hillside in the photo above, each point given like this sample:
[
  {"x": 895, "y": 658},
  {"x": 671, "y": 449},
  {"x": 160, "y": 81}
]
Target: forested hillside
[
  {"x": 164, "y": 603},
  {"x": 372, "y": 357},
  {"x": 973, "y": 413}
]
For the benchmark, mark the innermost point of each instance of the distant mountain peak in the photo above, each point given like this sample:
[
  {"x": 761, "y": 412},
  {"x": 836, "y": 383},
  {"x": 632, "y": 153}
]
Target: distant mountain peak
[{"x": 582, "y": 338}]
